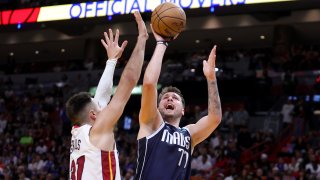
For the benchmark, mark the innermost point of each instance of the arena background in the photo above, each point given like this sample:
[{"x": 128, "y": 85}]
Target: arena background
[{"x": 268, "y": 70}]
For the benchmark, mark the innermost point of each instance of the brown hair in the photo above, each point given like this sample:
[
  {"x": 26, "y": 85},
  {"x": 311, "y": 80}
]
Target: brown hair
[
  {"x": 171, "y": 89},
  {"x": 75, "y": 105}
]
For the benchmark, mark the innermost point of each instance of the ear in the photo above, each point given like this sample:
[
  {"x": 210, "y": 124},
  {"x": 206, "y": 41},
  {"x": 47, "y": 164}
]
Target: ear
[
  {"x": 182, "y": 112},
  {"x": 92, "y": 115}
]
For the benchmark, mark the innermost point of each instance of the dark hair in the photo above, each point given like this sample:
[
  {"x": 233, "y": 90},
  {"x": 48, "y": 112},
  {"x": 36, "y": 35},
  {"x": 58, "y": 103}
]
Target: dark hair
[
  {"x": 76, "y": 104},
  {"x": 171, "y": 89}
]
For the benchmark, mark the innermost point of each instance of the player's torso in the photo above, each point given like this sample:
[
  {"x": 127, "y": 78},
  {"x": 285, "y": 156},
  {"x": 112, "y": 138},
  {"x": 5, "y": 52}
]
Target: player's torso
[
  {"x": 166, "y": 154},
  {"x": 89, "y": 162}
]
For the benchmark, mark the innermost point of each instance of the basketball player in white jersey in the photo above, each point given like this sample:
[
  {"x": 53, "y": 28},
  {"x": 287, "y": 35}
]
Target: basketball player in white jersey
[
  {"x": 93, "y": 153},
  {"x": 164, "y": 149}
]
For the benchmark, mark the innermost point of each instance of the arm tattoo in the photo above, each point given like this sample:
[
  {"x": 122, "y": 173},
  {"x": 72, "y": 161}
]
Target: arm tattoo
[{"x": 214, "y": 105}]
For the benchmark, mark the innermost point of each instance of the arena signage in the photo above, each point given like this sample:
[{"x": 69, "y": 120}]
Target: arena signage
[{"x": 107, "y": 8}]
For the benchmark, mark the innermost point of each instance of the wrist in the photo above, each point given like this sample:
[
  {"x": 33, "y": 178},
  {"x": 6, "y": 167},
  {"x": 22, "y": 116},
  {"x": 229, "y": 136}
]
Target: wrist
[
  {"x": 112, "y": 61},
  {"x": 163, "y": 42},
  {"x": 211, "y": 79}
]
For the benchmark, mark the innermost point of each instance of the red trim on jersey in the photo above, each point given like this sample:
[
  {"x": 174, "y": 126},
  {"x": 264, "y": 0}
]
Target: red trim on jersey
[
  {"x": 76, "y": 126},
  {"x": 108, "y": 162}
]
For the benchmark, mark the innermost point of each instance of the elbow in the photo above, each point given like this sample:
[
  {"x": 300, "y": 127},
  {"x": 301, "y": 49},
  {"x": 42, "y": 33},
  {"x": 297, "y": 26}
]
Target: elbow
[
  {"x": 148, "y": 81},
  {"x": 148, "y": 86},
  {"x": 216, "y": 117},
  {"x": 130, "y": 78},
  {"x": 218, "y": 120}
]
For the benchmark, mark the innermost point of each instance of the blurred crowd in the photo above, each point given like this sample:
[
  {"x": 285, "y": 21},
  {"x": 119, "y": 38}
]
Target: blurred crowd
[
  {"x": 234, "y": 63},
  {"x": 35, "y": 137}
]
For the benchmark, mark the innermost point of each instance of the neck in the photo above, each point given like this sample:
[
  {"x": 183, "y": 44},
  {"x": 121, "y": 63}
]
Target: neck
[{"x": 173, "y": 121}]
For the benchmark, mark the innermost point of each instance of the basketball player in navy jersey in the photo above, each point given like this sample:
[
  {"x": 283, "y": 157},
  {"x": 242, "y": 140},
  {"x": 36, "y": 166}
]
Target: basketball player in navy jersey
[
  {"x": 93, "y": 152},
  {"x": 164, "y": 149}
]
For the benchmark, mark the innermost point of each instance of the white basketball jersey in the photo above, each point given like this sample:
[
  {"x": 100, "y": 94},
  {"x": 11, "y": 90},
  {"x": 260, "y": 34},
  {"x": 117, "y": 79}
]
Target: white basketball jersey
[{"x": 90, "y": 162}]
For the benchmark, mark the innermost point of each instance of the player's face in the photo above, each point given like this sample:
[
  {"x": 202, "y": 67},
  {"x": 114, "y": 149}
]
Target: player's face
[{"x": 171, "y": 105}]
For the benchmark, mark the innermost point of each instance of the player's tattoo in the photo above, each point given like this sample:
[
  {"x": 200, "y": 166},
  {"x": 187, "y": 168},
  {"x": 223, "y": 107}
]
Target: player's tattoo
[{"x": 214, "y": 104}]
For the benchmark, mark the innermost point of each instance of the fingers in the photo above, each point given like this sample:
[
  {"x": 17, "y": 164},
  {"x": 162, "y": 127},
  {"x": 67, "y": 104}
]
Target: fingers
[
  {"x": 106, "y": 37},
  {"x": 123, "y": 45},
  {"x": 104, "y": 44},
  {"x": 175, "y": 37},
  {"x": 137, "y": 15},
  {"x": 116, "y": 37},
  {"x": 154, "y": 33},
  {"x": 111, "y": 35},
  {"x": 212, "y": 56},
  {"x": 151, "y": 28},
  {"x": 204, "y": 62}
]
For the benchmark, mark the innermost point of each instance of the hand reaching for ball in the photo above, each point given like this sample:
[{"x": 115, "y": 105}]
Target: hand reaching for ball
[
  {"x": 160, "y": 38},
  {"x": 168, "y": 20}
]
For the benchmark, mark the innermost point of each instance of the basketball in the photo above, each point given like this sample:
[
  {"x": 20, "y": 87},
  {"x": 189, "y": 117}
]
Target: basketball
[{"x": 168, "y": 20}]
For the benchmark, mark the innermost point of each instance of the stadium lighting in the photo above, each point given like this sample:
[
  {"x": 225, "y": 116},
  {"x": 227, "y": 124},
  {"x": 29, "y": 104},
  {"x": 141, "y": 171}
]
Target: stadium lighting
[{"x": 212, "y": 9}]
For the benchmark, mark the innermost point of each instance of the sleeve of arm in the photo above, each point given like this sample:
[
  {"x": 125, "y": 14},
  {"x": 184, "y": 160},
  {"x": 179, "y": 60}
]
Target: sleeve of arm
[{"x": 104, "y": 89}]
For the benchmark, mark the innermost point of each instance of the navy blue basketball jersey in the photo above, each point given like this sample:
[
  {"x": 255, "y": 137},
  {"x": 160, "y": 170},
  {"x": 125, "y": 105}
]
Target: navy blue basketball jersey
[{"x": 164, "y": 155}]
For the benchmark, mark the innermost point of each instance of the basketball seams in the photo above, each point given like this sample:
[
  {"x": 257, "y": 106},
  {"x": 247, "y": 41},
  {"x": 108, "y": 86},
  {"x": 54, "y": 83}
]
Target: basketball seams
[
  {"x": 169, "y": 9},
  {"x": 170, "y": 23},
  {"x": 173, "y": 18},
  {"x": 183, "y": 14},
  {"x": 159, "y": 23},
  {"x": 157, "y": 10},
  {"x": 169, "y": 26}
]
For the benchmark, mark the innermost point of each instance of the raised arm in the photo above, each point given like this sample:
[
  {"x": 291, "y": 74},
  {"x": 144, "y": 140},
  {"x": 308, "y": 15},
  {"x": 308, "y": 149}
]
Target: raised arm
[
  {"x": 149, "y": 117},
  {"x": 109, "y": 116},
  {"x": 207, "y": 124},
  {"x": 104, "y": 89}
]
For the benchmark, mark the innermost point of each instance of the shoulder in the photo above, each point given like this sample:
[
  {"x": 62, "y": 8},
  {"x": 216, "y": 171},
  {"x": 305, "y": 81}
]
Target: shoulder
[
  {"x": 77, "y": 129},
  {"x": 188, "y": 127}
]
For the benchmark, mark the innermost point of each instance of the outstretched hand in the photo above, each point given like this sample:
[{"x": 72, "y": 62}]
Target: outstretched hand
[
  {"x": 114, "y": 51},
  {"x": 210, "y": 65},
  {"x": 142, "y": 29}
]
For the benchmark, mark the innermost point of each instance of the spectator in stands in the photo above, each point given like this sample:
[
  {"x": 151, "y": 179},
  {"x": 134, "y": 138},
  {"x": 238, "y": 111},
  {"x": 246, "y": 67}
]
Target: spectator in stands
[
  {"x": 287, "y": 113},
  {"x": 241, "y": 118},
  {"x": 313, "y": 167}
]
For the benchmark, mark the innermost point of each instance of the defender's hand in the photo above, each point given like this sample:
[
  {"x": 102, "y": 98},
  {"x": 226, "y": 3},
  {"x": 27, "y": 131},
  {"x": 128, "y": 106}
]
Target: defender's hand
[
  {"x": 111, "y": 45},
  {"x": 142, "y": 29},
  {"x": 210, "y": 65}
]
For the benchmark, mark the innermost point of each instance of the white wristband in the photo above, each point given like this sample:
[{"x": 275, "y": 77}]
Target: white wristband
[{"x": 112, "y": 62}]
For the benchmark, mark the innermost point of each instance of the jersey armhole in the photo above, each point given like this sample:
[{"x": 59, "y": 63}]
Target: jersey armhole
[
  {"x": 89, "y": 142},
  {"x": 156, "y": 132}
]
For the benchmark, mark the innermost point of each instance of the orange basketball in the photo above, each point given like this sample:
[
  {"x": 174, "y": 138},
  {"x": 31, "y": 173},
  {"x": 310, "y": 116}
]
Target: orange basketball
[{"x": 168, "y": 19}]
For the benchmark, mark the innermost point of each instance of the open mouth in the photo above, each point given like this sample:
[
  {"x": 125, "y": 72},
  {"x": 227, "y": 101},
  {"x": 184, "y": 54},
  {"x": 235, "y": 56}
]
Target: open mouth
[{"x": 170, "y": 106}]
